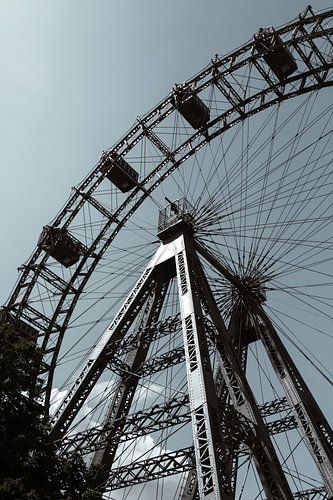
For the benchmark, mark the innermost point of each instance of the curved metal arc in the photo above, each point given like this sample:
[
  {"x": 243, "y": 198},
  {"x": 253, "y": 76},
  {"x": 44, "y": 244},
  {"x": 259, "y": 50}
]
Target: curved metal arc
[
  {"x": 218, "y": 63},
  {"x": 215, "y": 65},
  {"x": 159, "y": 168},
  {"x": 132, "y": 211}
]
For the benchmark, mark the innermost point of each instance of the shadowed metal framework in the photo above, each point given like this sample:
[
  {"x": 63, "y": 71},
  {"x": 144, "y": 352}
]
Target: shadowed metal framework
[
  {"x": 190, "y": 326},
  {"x": 225, "y": 417}
]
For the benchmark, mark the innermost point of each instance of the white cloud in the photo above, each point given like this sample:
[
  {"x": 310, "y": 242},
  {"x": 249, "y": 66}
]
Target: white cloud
[
  {"x": 57, "y": 396},
  {"x": 140, "y": 449},
  {"x": 136, "y": 449}
]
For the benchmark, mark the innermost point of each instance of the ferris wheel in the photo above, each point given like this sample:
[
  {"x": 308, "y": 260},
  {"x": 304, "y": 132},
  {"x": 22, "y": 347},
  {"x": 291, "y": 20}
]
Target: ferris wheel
[{"x": 182, "y": 296}]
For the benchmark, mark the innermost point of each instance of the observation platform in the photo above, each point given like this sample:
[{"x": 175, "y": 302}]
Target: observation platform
[{"x": 174, "y": 219}]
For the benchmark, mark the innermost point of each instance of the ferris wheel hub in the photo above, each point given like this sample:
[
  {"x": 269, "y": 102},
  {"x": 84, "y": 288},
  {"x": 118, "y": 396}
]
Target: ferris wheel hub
[{"x": 255, "y": 284}]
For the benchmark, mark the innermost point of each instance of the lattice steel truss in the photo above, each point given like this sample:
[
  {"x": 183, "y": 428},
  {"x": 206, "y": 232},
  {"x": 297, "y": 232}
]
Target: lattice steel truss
[
  {"x": 221, "y": 429},
  {"x": 201, "y": 301}
]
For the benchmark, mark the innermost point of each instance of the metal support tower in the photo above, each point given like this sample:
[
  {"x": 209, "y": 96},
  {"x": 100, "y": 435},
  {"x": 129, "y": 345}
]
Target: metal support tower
[{"x": 223, "y": 411}]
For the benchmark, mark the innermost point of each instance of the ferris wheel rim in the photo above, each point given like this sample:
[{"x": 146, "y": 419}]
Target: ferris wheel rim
[{"x": 136, "y": 133}]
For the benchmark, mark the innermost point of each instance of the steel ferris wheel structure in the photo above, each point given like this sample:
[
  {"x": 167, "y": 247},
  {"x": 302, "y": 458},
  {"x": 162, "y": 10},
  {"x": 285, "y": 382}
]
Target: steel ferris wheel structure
[{"x": 186, "y": 283}]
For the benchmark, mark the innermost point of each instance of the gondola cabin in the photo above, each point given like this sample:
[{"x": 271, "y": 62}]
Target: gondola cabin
[
  {"x": 60, "y": 245},
  {"x": 19, "y": 326},
  {"x": 192, "y": 108},
  {"x": 276, "y": 55},
  {"x": 119, "y": 172}
]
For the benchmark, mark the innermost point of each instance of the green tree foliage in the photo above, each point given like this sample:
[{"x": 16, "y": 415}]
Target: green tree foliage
[{"x": 29, "y": 466}]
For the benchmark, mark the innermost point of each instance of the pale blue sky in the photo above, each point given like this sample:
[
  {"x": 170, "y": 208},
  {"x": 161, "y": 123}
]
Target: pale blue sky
[{"x": 76, "y": 73}]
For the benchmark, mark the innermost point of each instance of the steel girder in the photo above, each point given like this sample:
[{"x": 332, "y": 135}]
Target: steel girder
[
  {"x": 214, "y": 471},
  {"x": 126, "y": 386},
  {"x": 154, "y": 468},
  {"x": 317, "y": 433},
  {"x": 174, "y": 411},
  {"x": 256, "y": 437},
  {"x": 210, "y": 450}
]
